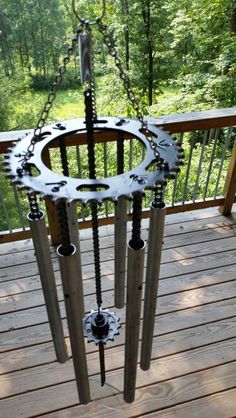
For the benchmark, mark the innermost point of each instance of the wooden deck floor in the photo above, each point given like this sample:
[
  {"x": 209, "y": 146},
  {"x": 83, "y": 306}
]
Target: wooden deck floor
[{"x": 193, "y": 371}]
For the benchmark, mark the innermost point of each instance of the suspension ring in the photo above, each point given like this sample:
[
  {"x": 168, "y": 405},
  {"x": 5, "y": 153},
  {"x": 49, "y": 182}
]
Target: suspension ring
[{"x": 92, "y": 22}]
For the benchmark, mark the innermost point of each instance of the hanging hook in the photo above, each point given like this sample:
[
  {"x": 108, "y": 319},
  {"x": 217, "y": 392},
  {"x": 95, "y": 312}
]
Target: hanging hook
[{"x": 83, "y": 20}]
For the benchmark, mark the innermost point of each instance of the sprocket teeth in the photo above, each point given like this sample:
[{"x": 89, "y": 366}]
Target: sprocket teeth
[
  {"x": 16, "y": 181},
  {"x": 10, "y": 176},
  {"x": 170, "y": 176},
  {"x": 5, "y": 164},
  {"x": 179, "y": 163},
  {"x": 171, "y": 151}
]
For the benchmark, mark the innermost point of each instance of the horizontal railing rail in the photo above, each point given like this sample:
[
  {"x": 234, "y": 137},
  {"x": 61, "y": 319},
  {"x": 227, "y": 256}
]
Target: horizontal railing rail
[{"x": 208, "y": 177}]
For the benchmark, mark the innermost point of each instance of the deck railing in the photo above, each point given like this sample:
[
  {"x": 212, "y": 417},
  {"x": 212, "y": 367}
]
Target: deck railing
[{"x": 208, "y": 177}]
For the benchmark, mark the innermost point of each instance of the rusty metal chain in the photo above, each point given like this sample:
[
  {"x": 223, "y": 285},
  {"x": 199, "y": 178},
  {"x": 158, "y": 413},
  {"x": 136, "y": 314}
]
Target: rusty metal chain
[
  {"x": 110, "y": 43},
  {"x": 89, "y": 112},
  {"x": 49, "y": 103},
  {"x": 111, "y": 46},
  {"x": 136, "y": 241},
  {"x": 67, "y": 249},
  {"x": 92, "y": 84},
  {"x": 158, "y": 196},
  {"x": 35, "y": 213}
]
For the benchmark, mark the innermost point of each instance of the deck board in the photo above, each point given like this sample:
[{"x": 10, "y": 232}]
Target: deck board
[{"x": 193, "y": 371}]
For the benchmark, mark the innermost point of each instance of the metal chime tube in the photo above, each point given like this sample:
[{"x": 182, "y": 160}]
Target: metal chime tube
[
  {"x": 73, "y": 296},
  {"x": 155, "y": 240},
  {"x": 120, "y": 251},
  {"x": 136, "y": 253},
  {"x": 120, "y": 233},
  {"x": 74, "y": 237},
  {"x": 43, "y": 256}
]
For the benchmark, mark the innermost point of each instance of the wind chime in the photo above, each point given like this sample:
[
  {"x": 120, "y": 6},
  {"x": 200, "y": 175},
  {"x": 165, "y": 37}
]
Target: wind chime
[{"x": 26, "y": 168}]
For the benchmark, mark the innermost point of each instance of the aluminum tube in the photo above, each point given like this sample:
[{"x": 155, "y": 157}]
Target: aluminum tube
[
  {"x": 156, "y": 231},
  {"x": 74, "y": 237},
  {"x": 133, "y": 312},
  {"x": 120, "y": 251},
  {"x": 43, "y": 256},
  {"x": 74, "y": 311},
  {"x": 73, "y": 225}
]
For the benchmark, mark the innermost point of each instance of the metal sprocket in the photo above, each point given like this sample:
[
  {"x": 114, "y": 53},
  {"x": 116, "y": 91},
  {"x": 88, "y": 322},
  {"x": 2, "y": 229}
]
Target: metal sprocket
[
  {"x": 162, "y": 159},
  {"x": 109, "y": 331}
]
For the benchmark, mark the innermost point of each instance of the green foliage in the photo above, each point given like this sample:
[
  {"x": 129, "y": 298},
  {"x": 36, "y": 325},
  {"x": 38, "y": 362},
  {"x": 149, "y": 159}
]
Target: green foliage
[
  {"x": 4, "y": 109},
  {"x": 180, "y": 56},
  {"x": 39, "y": 82}
]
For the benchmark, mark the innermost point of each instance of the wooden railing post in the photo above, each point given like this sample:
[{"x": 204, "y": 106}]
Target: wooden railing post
[{"x": 230, "y": 185}]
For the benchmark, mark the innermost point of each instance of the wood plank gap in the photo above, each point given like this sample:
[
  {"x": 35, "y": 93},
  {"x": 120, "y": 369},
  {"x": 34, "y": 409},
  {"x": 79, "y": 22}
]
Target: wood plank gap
[
  {"x": 110, "y": 306},
  {"x": 140, "y": 386},
  {"x": 122, "y": 324},
  {"x": 109, "y": 232},
  {"x": 163, "y": 409},
  {"x": 156, "y": 336},
  {"x": 159, "y": 297},
  {"x": 90, "y": 294},
  {"x": 110, "y": 260},
  {"x": 152, "y": 385}
]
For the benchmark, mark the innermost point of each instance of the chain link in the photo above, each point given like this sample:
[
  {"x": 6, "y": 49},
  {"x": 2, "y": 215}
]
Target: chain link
[
  {"x": 64, "y": 158},
  {"x": 49, "y": 103},
  {"x": 136, "y": 241},
  {"x": 158, "y": 196},
  {"x": 35, "y": 213},
  {"x": 89, "y": 113},
  {"x": 110, "y": 43},
  {"x": 111, "y": 46},
  {"x": 67, "y": 249}
]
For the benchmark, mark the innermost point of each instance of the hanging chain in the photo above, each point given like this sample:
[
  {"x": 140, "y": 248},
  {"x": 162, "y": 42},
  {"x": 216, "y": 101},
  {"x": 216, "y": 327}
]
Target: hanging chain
[
  {"x": 92, "y": 84},
  {"x": 64, "y": 158},
  {"x": 110, "y": 43},
  {"x": 89, "y": 112},
  {"x": 35, "y": 213},
  {"x": 120, "y": 153},
  {"x": 49, "y": 103},
  {"x": 136, "y": 241},
  {"x": 111, "y": 46},
  {"x": 96, "y": 252},
  {"x": 158, "y": 196},
  {"x": 64, "y": 228}
]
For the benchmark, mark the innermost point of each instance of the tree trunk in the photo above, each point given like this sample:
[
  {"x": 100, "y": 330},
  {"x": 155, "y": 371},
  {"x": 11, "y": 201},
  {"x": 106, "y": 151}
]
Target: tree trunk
[
  {"x": 233, "y": 19},
  {"x": 125, "y": 10},
  {"x": 146, "y": 13}
]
